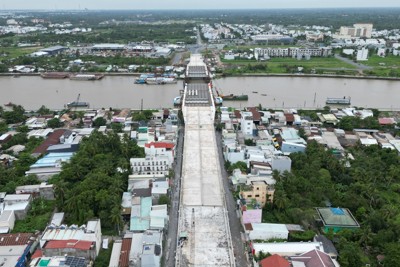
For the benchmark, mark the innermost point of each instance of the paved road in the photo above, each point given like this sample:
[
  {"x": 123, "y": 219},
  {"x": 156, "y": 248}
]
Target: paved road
[
  {"x": 234, "y": 222},
  {"x": 170, "y": 248},
  {"x": 177, "y": 58},
  {"x": 351, "y": 62}
]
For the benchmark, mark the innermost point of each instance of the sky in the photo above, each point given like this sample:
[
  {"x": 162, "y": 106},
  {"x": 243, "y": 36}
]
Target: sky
[{"x": 191, "y": 4}]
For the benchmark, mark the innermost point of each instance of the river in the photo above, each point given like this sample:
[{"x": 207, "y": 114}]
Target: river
[{"x": 272, "y": 92}]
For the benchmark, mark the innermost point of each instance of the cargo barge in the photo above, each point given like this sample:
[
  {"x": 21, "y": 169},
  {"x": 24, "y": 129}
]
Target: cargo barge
[
  {"x": 54, "y": 75},
  {"x": 86, "y": 77},
  {"x": 338, "y": 101},
  {"x": 233, "y": 97}
]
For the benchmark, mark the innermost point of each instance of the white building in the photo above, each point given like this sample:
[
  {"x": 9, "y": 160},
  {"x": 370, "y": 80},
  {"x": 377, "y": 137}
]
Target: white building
[
  {"x": 362, "y": 54},
  {"x": 286, "y": 248},
  {"x": 154, "y": 149},
  {"x": 7, "y": 221},
  {"x": 90, "y": 232},
  {"x": 358, "y": 30},
  {"x": 267, "y": 231},
  {"x": 246, "y": 123},
  {"x": 151, "y": 165}
]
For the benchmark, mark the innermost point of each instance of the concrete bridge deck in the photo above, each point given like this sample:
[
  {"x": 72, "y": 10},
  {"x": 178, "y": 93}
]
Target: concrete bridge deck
[{"x": 203, "y": 228}]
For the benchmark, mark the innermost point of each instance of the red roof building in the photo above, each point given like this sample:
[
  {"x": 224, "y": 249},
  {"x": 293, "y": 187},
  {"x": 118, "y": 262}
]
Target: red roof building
[
  {"x": 52, "y": 139},
  {"x": 70, "y": 247},
  {"x": 125, "y": 249},
  {"x": 274, "y": 261},
  {"x": 386, "y": 121},
  {"x": 165, "y": 145},
  {"x": 71, "y": 243},
  {"x": 16, "y": 239}
]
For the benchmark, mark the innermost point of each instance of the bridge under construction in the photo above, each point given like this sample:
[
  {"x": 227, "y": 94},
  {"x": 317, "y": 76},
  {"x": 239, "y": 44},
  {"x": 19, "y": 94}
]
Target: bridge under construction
[{"x": 204, "y": 237}]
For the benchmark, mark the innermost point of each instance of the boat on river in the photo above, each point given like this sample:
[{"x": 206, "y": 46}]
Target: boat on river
[
  {"x": 86, "y": 77},
  {"x": 78, "y": 104},
  {"x": 54, "y": 75},
  {"x": 233, "y": 97},
  {"x": 338, "y": 101},
  {"x": 160, "y": 80}
]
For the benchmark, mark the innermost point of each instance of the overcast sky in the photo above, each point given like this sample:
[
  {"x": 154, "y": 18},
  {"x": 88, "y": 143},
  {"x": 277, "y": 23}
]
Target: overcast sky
[{"x": 190, "y": 4}]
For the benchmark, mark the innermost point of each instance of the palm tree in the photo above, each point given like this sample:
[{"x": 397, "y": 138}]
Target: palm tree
[
  {"x": 116, "y": 218},
  {"x": 280, "y": 200}
]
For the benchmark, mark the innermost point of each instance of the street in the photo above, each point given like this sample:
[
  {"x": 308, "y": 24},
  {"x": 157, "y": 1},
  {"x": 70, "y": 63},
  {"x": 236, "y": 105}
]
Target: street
[
  {"x": 234, "y": 222},
  {"x": 170, "y": 247}
]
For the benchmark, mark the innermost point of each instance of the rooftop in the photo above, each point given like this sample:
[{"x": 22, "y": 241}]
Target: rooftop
[
  {"x": 337, "y": 217},
  {"x": 71, "y": 243}
]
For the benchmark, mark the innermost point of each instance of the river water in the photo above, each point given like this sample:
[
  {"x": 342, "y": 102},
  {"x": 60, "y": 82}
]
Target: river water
[{"x": 271, "y": 92}]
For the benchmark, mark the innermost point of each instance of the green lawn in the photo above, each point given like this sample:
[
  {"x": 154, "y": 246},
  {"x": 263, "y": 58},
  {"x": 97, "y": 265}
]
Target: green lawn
[
  {"x": 276, "y": 65},
  {"x": 247, "y": 47},
  {"x": 14, "y": 52},
  {"x": 390, "y": 61}
]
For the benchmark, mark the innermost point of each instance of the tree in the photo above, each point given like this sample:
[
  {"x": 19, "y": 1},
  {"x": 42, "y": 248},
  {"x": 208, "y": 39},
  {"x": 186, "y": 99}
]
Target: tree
[
  {"x": 164, "y": 200},
  {"x": 3, "y": 127},
  {"x": 54, "y": 123},
  {"x": 43, "y": 110},
  {"x": 100, "y": 121}
]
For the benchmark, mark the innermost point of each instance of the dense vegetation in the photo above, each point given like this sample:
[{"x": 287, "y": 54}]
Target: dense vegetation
[
  {"x": 370, "y": 188},
  {"x": 38, "y": 217},
  {"x": 91, "y": 184}
]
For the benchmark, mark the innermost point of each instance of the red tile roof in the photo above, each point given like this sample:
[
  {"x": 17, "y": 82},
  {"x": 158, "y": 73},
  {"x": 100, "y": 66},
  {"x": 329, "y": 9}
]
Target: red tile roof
[
  {"x": 53, "y": 139},
  {"x": 125, "y": 249},
  {"x": 289, "y": 117},
  {"x": 38, "y": 254},
  {"x": 256, "y": 114},
  {"x": 314, "y": 258},
  {"x": 15, "y": 239},
  {"x": 386, "y": 121},
  {"x": 238, "y": 114},
  {"x": 274, "y": 261},
  {"x": 71, "y": 243},
  {"x": 160, "y": 145}
]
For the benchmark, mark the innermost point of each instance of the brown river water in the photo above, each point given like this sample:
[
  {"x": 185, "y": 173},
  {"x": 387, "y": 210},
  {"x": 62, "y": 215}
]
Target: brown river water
[{"x": 271, "y": 92}]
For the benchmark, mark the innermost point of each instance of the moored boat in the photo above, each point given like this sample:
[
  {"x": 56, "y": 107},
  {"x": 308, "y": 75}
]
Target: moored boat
[
  {"x": 233, "y": 97},
  {"x": 177, "y": 100},
  {"x": 76, "y": 104},
  {"x": 54, "y": 75},
  {"x": 86, "y": 77},
  {"x": 338, "y": 101}
]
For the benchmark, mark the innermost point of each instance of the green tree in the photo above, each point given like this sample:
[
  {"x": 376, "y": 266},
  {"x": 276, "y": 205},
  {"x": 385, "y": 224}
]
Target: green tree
[
  {"x": 54, "y": 123},
  {"x": 100, "y": 121},
  {"x": 43, "y": 110},
  {"x": 164, "y": 200}
]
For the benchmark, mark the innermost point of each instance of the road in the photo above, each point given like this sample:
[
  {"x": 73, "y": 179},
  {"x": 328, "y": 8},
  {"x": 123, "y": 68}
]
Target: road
[
  {"x": 170, "y": 248},
  {"x": 351, "y": 62},
  {"x": 234, "y": 222}
]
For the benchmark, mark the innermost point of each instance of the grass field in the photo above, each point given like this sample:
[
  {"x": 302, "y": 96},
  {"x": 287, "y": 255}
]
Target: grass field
[
  {"x": 13, "y": 52},
  {"x": 277, "y": 65},
  {"x": 390, "y": 61},
  {"x": 247, "y": 47}
]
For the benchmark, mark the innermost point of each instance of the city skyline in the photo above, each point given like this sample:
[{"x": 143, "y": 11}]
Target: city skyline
[{"x": 178, "y": 4}]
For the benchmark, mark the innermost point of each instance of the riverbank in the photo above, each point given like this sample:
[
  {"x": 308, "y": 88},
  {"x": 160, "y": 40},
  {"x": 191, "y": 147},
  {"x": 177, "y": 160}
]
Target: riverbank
[
  {"x": 309, "y": 76},
  {"x": 218, "y": 76}
]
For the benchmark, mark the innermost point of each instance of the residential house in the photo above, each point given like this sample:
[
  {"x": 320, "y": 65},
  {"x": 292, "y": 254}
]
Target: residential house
[
  {"x": 246, "y": 123},
  {"x": 313, "y": 258},
  {"x": 43, "y": 190},
  {"x": 7, "y": 221},
  {"x": 20, "y": 204},
  {"x": 259, "y": 191},
  {"x": 337, "y": 219},
  {"x": 266, "y": 231},
  {"x": 155, "y": 149},
  {"x": 274, "y": 261},
  {"x": 83, "y": 241},
  {"x": 16, "y": 249},
  {"x": 59, "y": 261},
  {"x": 327, "y": 245},
  {"x": 285, "y": 248},
  {"x": 151, "y": 165}
]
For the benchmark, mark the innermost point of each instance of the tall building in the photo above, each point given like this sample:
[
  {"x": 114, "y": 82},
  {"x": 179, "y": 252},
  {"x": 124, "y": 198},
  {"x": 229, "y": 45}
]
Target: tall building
[{"x": 358, "y": 30}]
